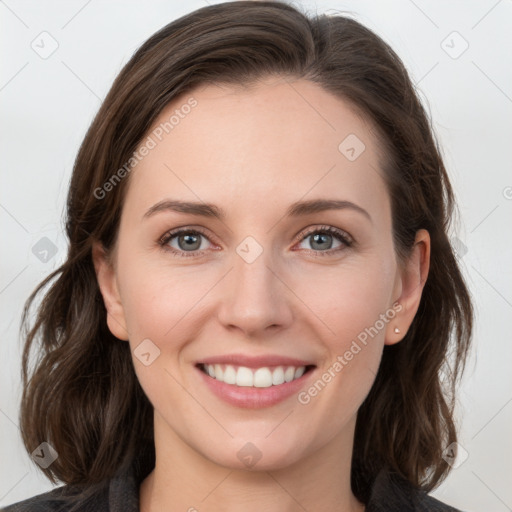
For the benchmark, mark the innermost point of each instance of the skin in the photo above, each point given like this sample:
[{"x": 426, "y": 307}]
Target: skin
[{"x": 253, "y": 152}]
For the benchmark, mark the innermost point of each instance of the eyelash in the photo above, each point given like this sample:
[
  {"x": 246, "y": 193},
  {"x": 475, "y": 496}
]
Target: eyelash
[{"x": 337, "y": 233}]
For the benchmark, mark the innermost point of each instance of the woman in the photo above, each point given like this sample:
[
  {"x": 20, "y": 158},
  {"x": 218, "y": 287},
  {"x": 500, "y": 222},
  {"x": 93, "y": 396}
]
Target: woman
[{"x": 200, "y": 349}]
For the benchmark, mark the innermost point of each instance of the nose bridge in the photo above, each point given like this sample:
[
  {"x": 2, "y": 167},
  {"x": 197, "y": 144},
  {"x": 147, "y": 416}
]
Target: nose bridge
[
  {"x": 255, "y": 298},
  {"x": 253, "y": 269}
]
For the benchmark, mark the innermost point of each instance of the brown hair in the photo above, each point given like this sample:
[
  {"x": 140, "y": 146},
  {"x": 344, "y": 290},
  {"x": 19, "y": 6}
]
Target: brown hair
[{"x": 82, "y": 395}]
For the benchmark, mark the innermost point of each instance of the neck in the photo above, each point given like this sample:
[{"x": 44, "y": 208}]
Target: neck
[{"x": 184, "y": 480}]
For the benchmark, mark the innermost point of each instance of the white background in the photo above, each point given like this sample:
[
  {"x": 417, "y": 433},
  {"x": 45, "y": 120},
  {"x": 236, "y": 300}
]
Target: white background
[{"x": 47, "y": 104}]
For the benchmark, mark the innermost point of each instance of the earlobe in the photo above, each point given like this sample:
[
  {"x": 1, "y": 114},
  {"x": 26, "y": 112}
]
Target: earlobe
[
  {"x": 106, "y": 276},
  {"x": 412, "y": 279}
]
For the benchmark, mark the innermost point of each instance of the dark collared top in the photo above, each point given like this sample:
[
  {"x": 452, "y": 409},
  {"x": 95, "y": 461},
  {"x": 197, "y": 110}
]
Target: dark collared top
[{"x": 389, "y": 493}]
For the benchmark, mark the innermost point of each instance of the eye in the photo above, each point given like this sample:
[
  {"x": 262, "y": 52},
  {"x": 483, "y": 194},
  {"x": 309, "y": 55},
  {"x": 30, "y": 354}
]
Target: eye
[
  {"x": 187, "y": 241},
  {"x": 321, "y": 240}
]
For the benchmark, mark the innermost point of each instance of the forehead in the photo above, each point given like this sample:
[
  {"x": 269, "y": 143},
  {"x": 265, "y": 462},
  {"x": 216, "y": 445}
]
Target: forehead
[{"x": 276, "y": 141}]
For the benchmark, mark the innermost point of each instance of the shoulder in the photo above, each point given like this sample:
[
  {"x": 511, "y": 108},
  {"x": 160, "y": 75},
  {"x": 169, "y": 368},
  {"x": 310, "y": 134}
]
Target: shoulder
[
  {"x": 64, "y": 499},
  {"x": 117, "y": 494},
  {"x": 391, "y": 493},
  {"x": 426, "y": 503}
]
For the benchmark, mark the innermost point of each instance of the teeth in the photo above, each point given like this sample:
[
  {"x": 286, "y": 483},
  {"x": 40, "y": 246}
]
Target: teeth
[
  {"x": 258, "y": 378},
  {"x": 229, "y": 375},
  {"x": 262, "y": 378},
  {"x": 289, "y": 374},
  {"x": 278, "y": 376},
  {"x": 244, "y": 377},
  {"x": 218, "y": 374}
]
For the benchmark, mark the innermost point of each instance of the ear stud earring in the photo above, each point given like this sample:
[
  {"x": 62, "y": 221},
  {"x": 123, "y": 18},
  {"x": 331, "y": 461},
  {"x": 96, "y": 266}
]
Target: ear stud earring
[{"x": 397, "y": 330}]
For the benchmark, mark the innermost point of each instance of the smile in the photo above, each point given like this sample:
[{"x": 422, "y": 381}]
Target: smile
[
  {"x": 254, "y": 381},
  {"x": 263, "y": 377}
]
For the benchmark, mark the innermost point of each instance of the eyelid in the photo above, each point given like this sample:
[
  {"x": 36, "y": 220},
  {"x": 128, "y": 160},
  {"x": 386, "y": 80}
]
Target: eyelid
[
  {"x": 176, "y": 231},
  {"x": 172, "y": 233},
  {"x": 328, "y": 229}
]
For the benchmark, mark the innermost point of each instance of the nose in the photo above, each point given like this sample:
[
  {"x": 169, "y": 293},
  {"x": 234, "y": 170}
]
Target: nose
[{"x": 255, "y": 298}]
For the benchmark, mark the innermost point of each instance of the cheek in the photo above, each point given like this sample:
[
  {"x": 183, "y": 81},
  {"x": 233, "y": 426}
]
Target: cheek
[
  {"x": 349, "y": 298},
  {"x": 156, "y": 298},
  {"x": 352, "y": 302},
  {"x": 150, "y": 305},
  {"x": 155, "y": 308}
]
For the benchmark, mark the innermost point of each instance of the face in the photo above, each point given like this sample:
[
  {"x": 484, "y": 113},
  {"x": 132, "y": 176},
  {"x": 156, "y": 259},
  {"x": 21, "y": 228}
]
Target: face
[{"x": 263, "y": 321}]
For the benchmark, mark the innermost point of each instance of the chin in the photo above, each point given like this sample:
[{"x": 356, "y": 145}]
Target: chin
[{"x": 256, "y": 453}]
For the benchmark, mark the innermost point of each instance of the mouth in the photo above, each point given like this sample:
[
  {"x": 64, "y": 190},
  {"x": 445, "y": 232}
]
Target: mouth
[
  {"x": 254, "y": 382},
  {"x": 259, "y": 377}
]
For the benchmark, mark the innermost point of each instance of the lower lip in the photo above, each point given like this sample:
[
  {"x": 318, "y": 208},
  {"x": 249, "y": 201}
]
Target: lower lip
[{"x": 251, "y": 397}]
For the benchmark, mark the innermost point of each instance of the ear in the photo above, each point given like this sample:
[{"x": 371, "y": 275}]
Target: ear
[
  {"x": 409, "y": 288},
  {"x": 107, "y": 281}
]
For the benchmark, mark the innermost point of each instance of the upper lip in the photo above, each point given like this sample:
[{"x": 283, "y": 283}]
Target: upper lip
[{"x": 255, "y": 361}]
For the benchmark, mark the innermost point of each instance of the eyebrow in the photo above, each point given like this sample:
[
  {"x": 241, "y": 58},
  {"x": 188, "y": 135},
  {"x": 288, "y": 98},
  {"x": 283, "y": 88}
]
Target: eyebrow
[{"x": 300, "y": 208}]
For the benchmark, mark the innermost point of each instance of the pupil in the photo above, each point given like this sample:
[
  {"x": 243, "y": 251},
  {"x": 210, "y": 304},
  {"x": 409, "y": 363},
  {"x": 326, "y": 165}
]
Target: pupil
[
  {"x": 320, "y": 237},
  {"x": 190, "y": 240}
]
